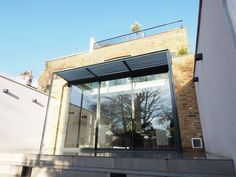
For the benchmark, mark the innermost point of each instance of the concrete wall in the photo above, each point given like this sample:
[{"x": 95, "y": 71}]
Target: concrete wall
[
  {"x": 216, "y": 89},
  {"x": 21, "y": 120},
  {"x": 182, "y": 71}
]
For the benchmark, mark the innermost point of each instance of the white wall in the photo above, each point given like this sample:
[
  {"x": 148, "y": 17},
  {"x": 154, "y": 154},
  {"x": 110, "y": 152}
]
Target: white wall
[
  {"x": 21, "y": 120},
  {"x": 216, "y": 89}
]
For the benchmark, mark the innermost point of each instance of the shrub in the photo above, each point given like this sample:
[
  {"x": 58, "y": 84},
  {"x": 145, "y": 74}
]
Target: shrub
[{"x": 182, "y": 51}]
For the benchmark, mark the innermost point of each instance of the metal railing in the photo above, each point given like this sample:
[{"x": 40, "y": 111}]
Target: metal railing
[{"x": 142, "y": 33}]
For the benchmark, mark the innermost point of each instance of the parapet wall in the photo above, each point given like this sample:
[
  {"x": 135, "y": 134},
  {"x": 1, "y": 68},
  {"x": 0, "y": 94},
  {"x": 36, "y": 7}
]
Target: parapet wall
[{"x": 173, "y": 40}]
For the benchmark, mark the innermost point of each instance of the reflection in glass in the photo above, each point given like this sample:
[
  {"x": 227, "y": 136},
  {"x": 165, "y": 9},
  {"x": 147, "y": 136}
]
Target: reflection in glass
[
  {"x": 115, "y": 123},
  {"x": 134, "y": 113},
  {"x": 82, "y": 115},
  {"x": 153, "y": 125}
]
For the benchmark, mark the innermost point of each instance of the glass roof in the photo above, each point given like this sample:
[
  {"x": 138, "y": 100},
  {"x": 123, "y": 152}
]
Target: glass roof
[{"x": 112, "y": 68}]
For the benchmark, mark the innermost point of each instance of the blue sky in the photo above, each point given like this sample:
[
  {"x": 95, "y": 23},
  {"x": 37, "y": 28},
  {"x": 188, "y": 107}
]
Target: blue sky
[{"x": 32, "y": 32}]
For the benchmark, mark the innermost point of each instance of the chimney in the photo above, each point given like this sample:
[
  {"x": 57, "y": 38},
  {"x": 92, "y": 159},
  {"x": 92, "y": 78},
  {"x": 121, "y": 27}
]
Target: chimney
[
  {"x": 26, "y": 77},
  {"x": 91, "y": 44}
]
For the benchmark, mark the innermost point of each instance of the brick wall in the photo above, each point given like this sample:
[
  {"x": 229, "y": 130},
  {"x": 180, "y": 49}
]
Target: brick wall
[
  {"x": 189, "y": 121},
  {"x": 173, "y": 40}
]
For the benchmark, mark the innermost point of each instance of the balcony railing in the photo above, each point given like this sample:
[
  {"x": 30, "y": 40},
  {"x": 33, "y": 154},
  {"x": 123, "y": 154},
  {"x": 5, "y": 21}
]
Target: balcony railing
[{"x": 142, "y": 33}]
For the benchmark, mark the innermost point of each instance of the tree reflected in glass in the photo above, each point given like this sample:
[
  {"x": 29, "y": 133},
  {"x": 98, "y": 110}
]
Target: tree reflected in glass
[{"x": 135, "y": 113}]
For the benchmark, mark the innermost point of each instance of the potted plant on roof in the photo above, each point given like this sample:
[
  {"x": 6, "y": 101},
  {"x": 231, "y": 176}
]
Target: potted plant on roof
[{"x": 136, "y": 28}]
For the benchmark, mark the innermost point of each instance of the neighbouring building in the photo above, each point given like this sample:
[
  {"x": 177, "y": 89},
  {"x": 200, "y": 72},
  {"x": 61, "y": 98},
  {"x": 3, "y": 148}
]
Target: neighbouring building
[
  {"x": 215, "y": 74},
  {"x": 22, "y": 109},
  {"x": 134, "y": 95}
]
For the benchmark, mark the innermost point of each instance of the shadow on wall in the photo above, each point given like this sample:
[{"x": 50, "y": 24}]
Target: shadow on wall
[{"x": 12, "y": 95}]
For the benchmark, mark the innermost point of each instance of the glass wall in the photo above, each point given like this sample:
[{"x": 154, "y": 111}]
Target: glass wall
[
  {"x": 82, "y": 115},
  {"x": 130, "y": 113},
  {"x": 115, "y": 124},
  {"x": 153, "y": 123}
]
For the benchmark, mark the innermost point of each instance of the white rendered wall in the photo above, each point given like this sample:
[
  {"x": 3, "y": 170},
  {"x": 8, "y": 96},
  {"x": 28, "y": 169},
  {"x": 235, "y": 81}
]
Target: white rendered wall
[
  {"x": 216, "y": 89},
  {"x": 21, "y": 120}
]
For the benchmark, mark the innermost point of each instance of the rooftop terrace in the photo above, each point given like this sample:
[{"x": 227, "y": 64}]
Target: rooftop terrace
[{"x": 137, "y": 35}]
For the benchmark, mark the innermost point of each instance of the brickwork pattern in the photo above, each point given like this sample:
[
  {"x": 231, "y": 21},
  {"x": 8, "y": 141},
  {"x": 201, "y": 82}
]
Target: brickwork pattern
[
  {"x": 189, "y": 121},
  {"x": 173, "y": 40}
]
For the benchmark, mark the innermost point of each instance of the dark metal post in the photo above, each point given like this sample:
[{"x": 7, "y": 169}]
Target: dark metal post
[
  {"x": 133, "y": 113},
  {"x": 97, "y": 122},
  {"x": 174, "y": 107},
  {"x": 46, "y": 116},
  {"x": 80, "y": 116}
]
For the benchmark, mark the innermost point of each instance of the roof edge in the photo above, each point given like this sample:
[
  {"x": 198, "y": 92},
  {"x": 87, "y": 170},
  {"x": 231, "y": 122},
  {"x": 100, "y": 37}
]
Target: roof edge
[
  {"x": 66, "y": 56},
  {"x": 29, "y": 87}
]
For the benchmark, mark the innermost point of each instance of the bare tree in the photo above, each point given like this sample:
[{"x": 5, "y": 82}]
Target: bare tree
[
  {"x": 146, "y": 107},
  {"x": 118, "y": 108}
]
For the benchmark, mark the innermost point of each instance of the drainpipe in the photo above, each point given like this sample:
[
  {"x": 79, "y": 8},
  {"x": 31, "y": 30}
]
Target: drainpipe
[{"x": 45, "y": 120}]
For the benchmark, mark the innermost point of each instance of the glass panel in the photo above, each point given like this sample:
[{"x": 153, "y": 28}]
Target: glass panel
[
  {"x": 153, "y": 125},
  {"x": 82, "y": 115},
  {"x": 115, "y": 122}
]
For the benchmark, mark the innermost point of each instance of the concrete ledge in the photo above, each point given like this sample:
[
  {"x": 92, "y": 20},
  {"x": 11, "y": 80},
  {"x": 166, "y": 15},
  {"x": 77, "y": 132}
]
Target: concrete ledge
[
  {"x": 106, "y": 173},
  {"x": 65, "y": 173},
  {"x": 59, "y": 166},
  {"x": 217, "y": 167},
  {"x": 201, "y": 166},
  {"x": 141, "y": 164},
  {"x": 98, "y": 162}
]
